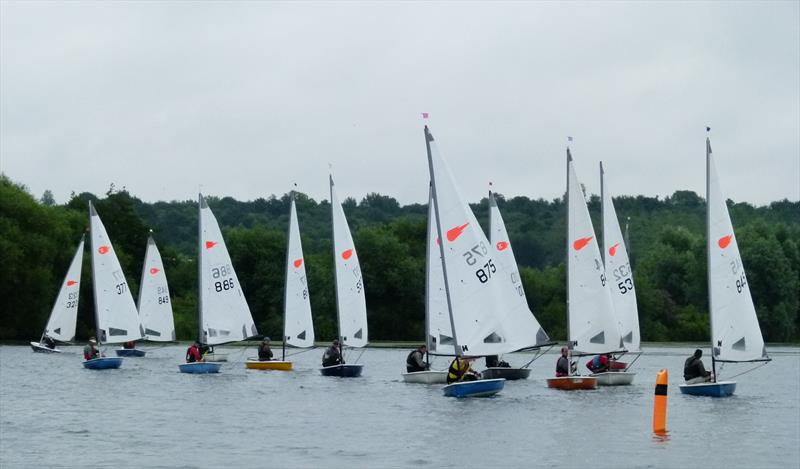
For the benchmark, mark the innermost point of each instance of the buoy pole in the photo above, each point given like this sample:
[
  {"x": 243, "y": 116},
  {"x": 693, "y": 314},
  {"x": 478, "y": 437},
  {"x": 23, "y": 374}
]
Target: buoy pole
[{"x": 660, "y": 404}]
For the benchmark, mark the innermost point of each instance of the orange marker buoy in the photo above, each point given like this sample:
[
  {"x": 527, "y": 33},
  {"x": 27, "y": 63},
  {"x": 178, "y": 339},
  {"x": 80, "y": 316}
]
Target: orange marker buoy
[{"x": 660, "y": 404}]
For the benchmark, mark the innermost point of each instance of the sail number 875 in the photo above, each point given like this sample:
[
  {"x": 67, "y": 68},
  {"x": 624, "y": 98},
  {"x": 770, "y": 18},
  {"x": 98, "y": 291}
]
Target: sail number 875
[{"x": 471, "y": 258}]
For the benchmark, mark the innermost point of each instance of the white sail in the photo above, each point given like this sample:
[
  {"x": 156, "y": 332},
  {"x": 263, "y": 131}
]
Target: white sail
[
  {"x": 735, "y": 333},
  {"x": 524, "y": 330},
  {"x": 592, "y": 324},
  {"x": 115, "y": 311},
  {"x": 224, "y": 314},
  {"x": 618, "y": 270},
  {"x": 298, "y": 328},
  {"x": 155, "y": 306},
  {"x": 471, "y": 271},
  {"x": 351, "y": 305},
  {"x": 61, "y": 325},
  {"x": 440, "y": 332}
]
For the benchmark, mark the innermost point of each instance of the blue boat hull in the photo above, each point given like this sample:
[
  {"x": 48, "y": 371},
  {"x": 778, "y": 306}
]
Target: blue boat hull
[
  {"x": 342, "y": 371},
  {"x": 105, "y": 363},
  {"x": 200, "y": 368},
  {"x": 479, "y": 388},
  {"x": 130, "y": 352},
  {"x": 718, "y": 389}
]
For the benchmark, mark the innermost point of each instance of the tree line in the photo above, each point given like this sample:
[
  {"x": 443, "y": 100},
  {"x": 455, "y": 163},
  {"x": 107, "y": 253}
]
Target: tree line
[{"x": 666, "y": 237}]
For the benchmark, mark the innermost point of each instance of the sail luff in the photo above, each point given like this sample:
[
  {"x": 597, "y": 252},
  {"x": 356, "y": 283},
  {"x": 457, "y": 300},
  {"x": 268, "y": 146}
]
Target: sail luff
[
  {"x": 201, "y": 203},
  {"x": 428, "y": 270}
]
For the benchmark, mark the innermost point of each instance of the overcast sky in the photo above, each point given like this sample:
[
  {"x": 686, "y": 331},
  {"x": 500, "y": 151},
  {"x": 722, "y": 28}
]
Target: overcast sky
[{"x": 247, "y": 98}]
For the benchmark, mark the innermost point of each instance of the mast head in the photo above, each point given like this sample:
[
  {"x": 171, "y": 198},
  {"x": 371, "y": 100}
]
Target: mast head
[
  {"x": 428, "y": 134},
  {"x": 202, "y": 201},
  {"x": 569, "y": 155}
]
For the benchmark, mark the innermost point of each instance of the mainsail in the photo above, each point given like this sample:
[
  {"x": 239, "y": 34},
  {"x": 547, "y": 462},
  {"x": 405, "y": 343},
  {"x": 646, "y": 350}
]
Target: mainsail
[
  {"x": 155, "y": 306},
  {"x": 224, "y": 314},
  {"x": 298, "y": 329},
  {"x": 592, "y": 325},
  {"x": 471, "y": 273},
  {"x": 351, "y": 305},
  {"x": 735, "y": 333},
  {"x": 61, "y": 325},
  {"x": 618, "y": 270},
  {"x": 523, "y": 329},
  {"x": 115, "y": 311},
  {"x": 440, "y": 332}
]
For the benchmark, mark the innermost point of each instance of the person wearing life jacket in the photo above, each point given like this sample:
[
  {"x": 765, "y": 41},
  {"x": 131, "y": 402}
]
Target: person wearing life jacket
[
  {"x": 90, "y": 351},
  {"x": 493, "y": 361},
  {"x": 562, "y": 365},
  {"x": 693, "y": 370},
  {"x": 461, "y": 370},
  {"x": 333, "y": 355},
  {"x": 416, "y": 360},
  {"x": 599, "y": 363},
  {"x": 48, "y": 342},
  {"x": 193, "y": 353},
  {"x": 129, "y": 345},
  {"x": 264, "y": 352}
]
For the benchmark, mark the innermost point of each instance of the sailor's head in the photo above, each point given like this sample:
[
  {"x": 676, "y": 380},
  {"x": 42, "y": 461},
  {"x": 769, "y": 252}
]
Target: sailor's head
[
  {"x": 423, "y": 348},
  {"x": 92, "y": 340},
  {"x": 335, "y": 341},
  {"x": 698, "y": 353},
  {"x": 266, "y": 340},
  {"x": 564, "y": 351}
]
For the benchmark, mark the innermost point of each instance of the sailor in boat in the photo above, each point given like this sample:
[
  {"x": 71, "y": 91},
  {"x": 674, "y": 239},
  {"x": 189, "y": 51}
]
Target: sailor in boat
[
  {"x": 600, "y": 363},
  {"x": 90, "y": 351},
  {"x": 562, "y": 365},
  {"x": 693, "y": 370},
  {"x": 48, "y": 342},
  {"x": 129, "y": 345},
  {"x": 493, "y": 361},
  {"x": 264, "y": 352},
  {"x": 416, "y": 360},
  {"x": 193, "y": 353},
  {"x": 205, "y": 349},
  {"x": 461, "y": 370},
  {"x": 333, "y": 355}
]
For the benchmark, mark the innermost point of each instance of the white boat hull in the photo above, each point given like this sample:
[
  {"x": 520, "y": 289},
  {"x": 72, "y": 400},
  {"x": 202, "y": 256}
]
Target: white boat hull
[
  {"x": 614, "y": 378},
  {"x": 426, "y": 377},
  {"x": 37, "y": 347}
]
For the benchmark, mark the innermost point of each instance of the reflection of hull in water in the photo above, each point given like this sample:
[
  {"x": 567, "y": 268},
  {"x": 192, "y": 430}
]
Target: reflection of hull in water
[
  {"x": 200, "y": 367},
  {"x": 426, "y": 377},
  {"x": 572, "y": 383},
  {"x": 509, "y": 374},
  {"x": 614, "y": 378},
  {"x": 718, "y": 389},
  {"x": 105, "y": 363},
  {"x": 130, "y": 352},
  {"x": 253, "y": 364},
  {"x": 477, "y": 388},
  {"x": 344, "y": 370},
  {"x": 41, "y": 348}
]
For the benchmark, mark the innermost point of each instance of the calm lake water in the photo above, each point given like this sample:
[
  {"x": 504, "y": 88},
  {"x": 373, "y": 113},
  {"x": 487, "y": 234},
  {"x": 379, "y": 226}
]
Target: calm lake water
[{"x": 54, "y": 413}]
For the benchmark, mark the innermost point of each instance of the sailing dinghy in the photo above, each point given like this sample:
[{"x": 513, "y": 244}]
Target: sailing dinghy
[
  {"x": 623, "y": 295},
  {"x": 351, "y": 305},
  {"x": 591, "y": 325},
  {"x": 223, "y": 314},
  {"x": 735, "y": 333},
  {"x": 298, "y": 327},
  {"x": 155, "y": 307},
  {"x": 518, "y": 315},
  {"x": 61, "y": 324},
  {"x": 439, "y": 335},
  {"x": 115, "y": 312},
  {"x": 473, "y": 280}
]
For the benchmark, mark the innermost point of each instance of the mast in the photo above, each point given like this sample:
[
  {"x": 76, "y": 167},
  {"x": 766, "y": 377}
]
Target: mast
[
  {"x": 286, "y": 283},
  {"x": 335, "y": 272},
  {"x": 93, "y": 213},
  {"x": 428, "y": 274},
  {"x": 603, "y": 215},
  {"x": 200, "y": 202},
  {"x": 428, "y": 140},
  {"x": 566, "y": 264},
  {"x": 143, "y": 278},
  {"x": 708, "y": 249}
]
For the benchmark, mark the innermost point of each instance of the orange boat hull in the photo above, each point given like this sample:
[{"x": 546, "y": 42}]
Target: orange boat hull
[{"x": 570, "y": 383}]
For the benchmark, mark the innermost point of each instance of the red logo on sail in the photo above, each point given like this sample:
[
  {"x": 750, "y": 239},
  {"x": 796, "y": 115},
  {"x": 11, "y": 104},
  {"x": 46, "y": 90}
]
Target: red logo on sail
[
  {"x": 502, "y": 246},
  {"x": 613, "y": 250},
  {"x": 581, "y": 243},
  {"x": 725, "y": 241},
  {"x": 154, "y": 270},
  {"x": 71, "y": 283},
  {"x": 210, "y": 244},
  {"x": 103, "y": 249},
  {"x": 454, "y": 233},
  {"x": 347, "y": 254},
  {"x": 298, "y": 263}
]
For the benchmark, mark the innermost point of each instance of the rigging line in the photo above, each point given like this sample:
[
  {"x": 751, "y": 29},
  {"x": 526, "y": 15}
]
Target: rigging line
[
  {"x": 359, "y": 355},
  {"x": 539, "y": 354},
  {"x": 747, "y": 371},
  {"x": 301, "y": 351},
  {"x": 634, "y": 361}
]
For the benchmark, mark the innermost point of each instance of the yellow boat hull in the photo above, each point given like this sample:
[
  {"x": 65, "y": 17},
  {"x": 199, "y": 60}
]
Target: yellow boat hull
[{"x": 268, "y": 365}]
